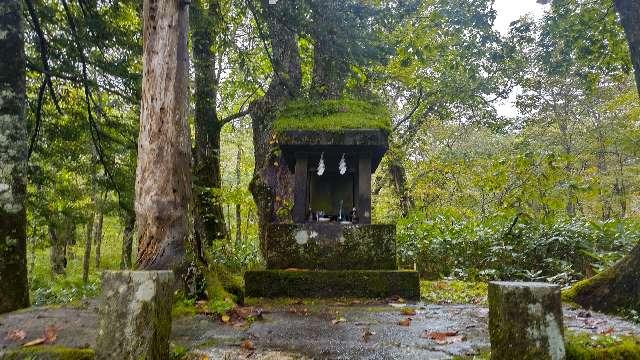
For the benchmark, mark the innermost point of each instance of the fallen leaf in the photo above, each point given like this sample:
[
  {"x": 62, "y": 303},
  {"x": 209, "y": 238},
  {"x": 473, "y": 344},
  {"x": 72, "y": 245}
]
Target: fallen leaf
[
  {"x": 247, "y": 345},
  {"x": 338, "y": 320},
  {"x": 405, "y": 322},
  {"x": 443, "y": 337},
  {"x": 37, "y": 341},
  {"x": 225, "y": 318},
  {"x": 50, "y": 334},
  {"x": 367, "y": 334},
  {"x": 609, "y": 331},
  {"x": 408, "y": 311},
  {"x": 16, "y": 335}
]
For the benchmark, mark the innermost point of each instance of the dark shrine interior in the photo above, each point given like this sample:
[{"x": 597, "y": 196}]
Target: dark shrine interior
[{"x": 331, "y": 193}]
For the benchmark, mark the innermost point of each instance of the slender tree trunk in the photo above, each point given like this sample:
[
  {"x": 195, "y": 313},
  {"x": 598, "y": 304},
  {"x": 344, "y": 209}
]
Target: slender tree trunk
[
  {"x": 399, "y": 177},
  {"x": 14, "y": 290},
  {"x": 127, "y": 241},
  {"x": 97, "y": 234},
  {"x": 238, "y": 206},
  {"x": 163, "y": 175},
  {"x": 210, "y": 223},
  {"x": 86, "y": 260},
  {"x": 271, "y": 185},
  {"x": 61, "y": 231},
  {"x": 629, "y": 11}
]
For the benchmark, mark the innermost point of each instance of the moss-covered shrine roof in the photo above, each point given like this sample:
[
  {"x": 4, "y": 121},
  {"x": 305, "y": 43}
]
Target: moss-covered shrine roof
[{"x": 333, "y": 115}]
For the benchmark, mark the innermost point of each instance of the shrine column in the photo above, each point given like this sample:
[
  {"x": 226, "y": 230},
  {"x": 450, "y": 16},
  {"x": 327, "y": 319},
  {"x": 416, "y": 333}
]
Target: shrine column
[{"x": 364, "y": 188}]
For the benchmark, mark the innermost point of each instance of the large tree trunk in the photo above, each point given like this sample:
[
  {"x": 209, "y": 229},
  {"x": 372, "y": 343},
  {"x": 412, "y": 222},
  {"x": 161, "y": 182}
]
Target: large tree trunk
[
  {"x": 127, "y": 241},
  {"x": 14, "y": 290},
  {"x": 210, "y": 224},
  {"x": 629, "y": 11},
  {"x": 163, "y": 175},
  {"x": 272, "y": 183}
]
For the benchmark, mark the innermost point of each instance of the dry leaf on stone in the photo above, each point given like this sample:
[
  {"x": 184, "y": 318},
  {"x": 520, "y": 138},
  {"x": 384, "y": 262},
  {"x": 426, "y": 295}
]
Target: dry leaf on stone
[
  {"x": 405, "y": 322},
  {"x": 225, "y": 318},
  {"x": 443, "y": 337},
  {"x": 609, "y": 331},
  {"x": 50, "y": 334},
  {"x": 367, "y": 334},
  {"x": 16, "y": 335},
  {"x": 247, "y": 345},
  {"x": 35, "y": 342}
]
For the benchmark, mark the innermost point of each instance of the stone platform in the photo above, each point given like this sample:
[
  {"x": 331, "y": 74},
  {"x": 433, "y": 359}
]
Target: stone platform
[
  {"x": 331, "y": 246},
  {"x": 332, "y": 283}
]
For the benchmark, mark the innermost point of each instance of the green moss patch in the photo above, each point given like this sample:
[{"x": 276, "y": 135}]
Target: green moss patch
[
  {"x": 49, "y": 353},
  {"x": 601, "y": 347},
  {"x": 453, "y": 292},
  {"x": 333, "y": 284},
  {"x": 333, "y": 115}
]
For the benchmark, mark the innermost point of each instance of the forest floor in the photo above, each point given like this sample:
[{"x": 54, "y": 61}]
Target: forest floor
[{"x": 305, "y": 329}]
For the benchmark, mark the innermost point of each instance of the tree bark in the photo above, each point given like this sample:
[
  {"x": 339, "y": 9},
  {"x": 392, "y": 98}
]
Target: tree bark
[
  {"x": 163, "y": 175},
  {"x": 127, "y": 241},
  {"x": 272, "y": 183},
  {"x": 14, "y": 289},
  {"x": 97, "y": 234},
  {"x": 61, "y": 232},
  {"x": 238, "y": 206},
  {"x": 629, "y": 11},
  {"x": 86, "y": 260},
  {"x": 210, "y": 224}
]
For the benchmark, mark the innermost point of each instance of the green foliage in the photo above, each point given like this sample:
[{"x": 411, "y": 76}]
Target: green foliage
[
  {"x": 453, "y": 292},
  {"x": 501, "y": 247},
  {"x": 601, "y": 347},
  {"x": 332, "y": 115}
]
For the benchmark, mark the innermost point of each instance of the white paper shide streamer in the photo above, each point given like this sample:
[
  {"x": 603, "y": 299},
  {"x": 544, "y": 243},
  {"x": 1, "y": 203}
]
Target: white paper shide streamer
[
  {"x": 342, "y": 166},
  {"x": 321, "y": 165}
]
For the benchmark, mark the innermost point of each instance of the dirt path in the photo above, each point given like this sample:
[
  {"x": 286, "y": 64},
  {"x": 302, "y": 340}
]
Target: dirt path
[{"x": 323, "y": 330}]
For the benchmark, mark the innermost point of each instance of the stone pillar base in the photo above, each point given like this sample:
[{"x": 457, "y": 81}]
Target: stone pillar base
[
  {"x": 525, "y": 321},
  {"x": 135, "y": 315}
]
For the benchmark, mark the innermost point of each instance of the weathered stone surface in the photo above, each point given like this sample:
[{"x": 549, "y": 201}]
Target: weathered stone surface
[
  {"x": 525, "y": 321},
  {"x": 331, "y": 246},
  {"x": 135, "y": 315},
  {"x": 326, "y": 284}
]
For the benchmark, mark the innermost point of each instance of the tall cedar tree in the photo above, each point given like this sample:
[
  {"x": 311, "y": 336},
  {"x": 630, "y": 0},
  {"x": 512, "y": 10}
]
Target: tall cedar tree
[{"x": 163, "y": 176}]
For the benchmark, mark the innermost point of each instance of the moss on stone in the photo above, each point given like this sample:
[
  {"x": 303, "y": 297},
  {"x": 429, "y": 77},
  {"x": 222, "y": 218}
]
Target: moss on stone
[
  {"x": 333, "y": 115},
  {"x": 331, "y": 284},
  {"x": 601, "y": 347},
  {"x": 49, "y": 353}
]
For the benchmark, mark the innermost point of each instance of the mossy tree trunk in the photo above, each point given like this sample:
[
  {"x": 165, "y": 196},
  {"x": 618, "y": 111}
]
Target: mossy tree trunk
[
  {"x": 14, "y": 290},
  {"x": 613, "y": 289},
  {"x": 163, "y": 175},
  {"x": 629, "y": 11},
  {"x": 61, "y": 234},
  {"x": 272, "y": 183},
  {"x": 205, "y": 24},
  {"x": 127, "y": 241}
]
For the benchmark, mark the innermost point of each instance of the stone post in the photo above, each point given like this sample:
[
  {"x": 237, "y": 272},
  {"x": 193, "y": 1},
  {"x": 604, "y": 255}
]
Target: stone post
[
  {"x": 135, "y": 315},
  {"x": 525, "y": 321}
]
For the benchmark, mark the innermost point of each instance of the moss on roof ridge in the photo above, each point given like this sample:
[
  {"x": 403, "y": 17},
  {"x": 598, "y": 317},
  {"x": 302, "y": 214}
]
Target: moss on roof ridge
[{"x": 333, "y": 115}]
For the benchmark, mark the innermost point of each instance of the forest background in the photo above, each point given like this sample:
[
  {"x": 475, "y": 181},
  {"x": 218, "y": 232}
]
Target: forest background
[{"x": 550, "y": 194}]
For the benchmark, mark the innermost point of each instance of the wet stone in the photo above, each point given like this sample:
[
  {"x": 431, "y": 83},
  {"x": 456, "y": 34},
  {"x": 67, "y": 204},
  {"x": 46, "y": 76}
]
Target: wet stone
[
  {"x": 525, "y": 321},
  {"x": 135, "y": 315}
]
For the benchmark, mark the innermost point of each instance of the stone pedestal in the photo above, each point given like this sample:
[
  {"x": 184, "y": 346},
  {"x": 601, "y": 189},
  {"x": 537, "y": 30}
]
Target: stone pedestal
[
  {"x": 525, "y": 321},
  {"x": 135, "y": 315}
]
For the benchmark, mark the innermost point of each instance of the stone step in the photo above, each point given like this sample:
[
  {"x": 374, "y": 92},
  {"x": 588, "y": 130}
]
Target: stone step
[{"x": 332, "y": 283}]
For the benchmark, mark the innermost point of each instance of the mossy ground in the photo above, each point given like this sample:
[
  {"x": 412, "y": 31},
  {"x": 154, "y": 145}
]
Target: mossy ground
[
  {"x": 333, "y": 115},
  {"x": 49, "y": 353},
  {"x": 601, "y": 347},
  {"x": 453, "y": 292}
]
